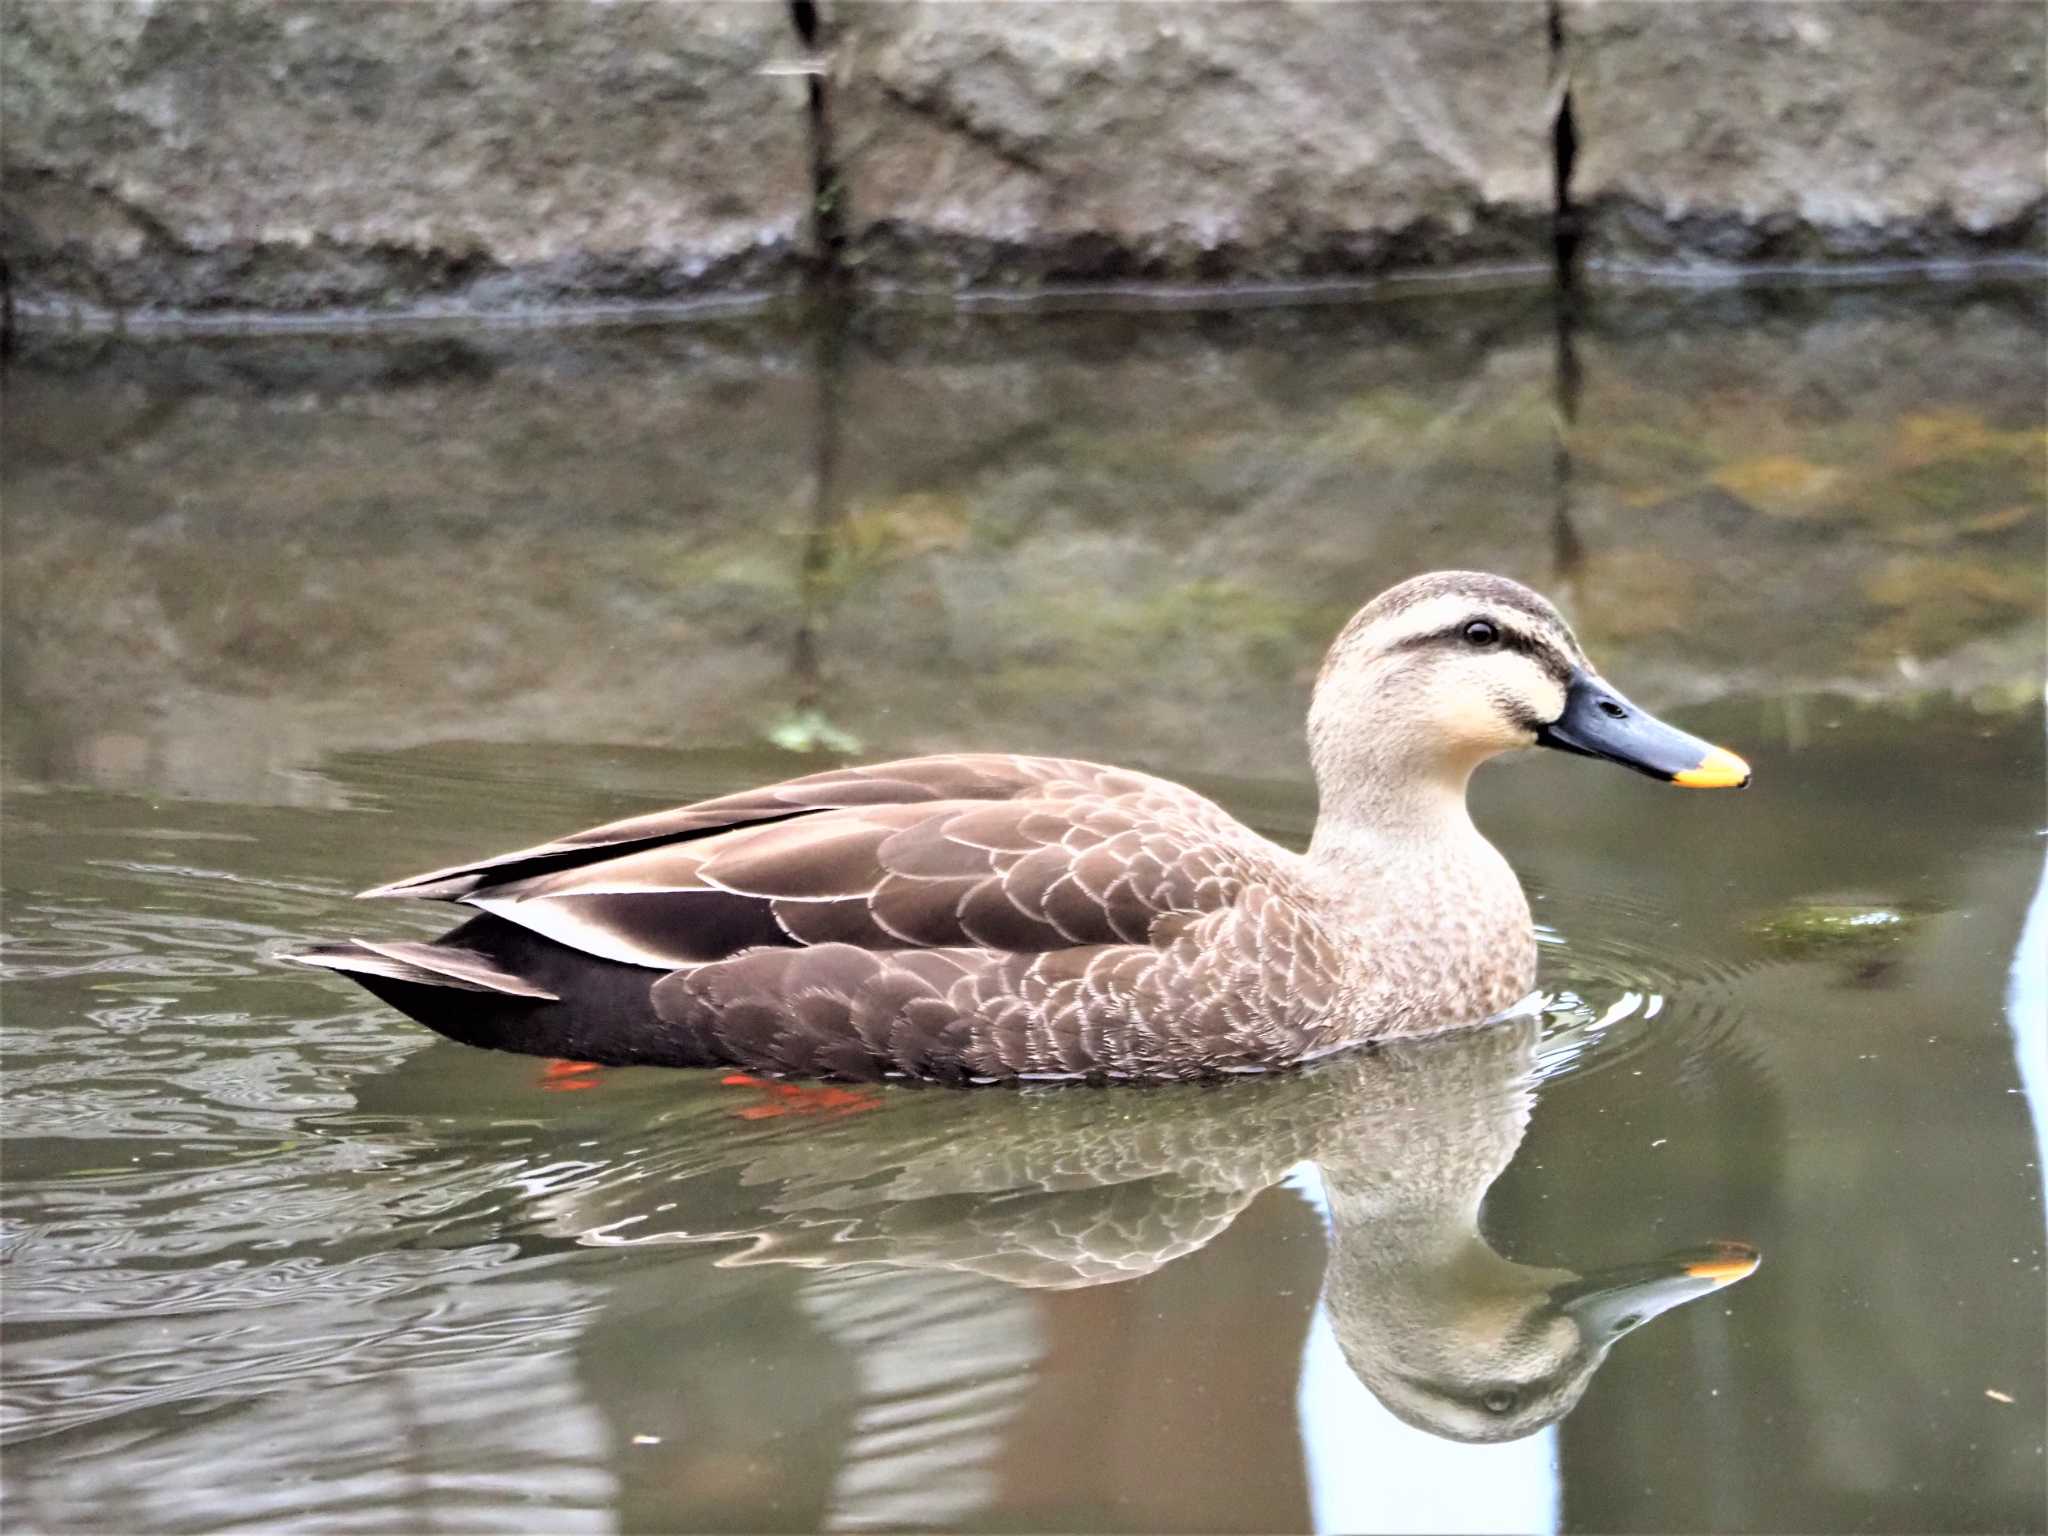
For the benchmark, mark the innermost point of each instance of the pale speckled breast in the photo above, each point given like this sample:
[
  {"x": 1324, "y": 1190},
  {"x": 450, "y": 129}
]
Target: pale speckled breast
[
  {"x": 1438, "y": 943},
  {"x": 1291, "y": 971}
]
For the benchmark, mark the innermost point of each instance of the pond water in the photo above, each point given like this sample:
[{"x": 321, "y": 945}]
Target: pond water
[{"x": 289, "y": 616}]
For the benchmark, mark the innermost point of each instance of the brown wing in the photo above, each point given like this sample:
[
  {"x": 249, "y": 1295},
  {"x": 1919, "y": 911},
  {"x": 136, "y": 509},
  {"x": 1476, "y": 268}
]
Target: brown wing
[
  {"x": 1088, "y": 857},
  {"x": 908, "y": 781}
]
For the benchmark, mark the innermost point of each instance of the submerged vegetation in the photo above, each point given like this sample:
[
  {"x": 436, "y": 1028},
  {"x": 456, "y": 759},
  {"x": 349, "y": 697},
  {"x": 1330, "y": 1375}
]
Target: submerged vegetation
[{"x": 1817, "y": 929}]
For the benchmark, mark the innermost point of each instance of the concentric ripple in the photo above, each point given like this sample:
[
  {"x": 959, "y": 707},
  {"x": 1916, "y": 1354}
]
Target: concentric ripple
[{"x": 1621, "y": 969}]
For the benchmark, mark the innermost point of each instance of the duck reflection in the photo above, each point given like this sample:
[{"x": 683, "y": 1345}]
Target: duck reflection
[{"x": 1057, "y": 1189}]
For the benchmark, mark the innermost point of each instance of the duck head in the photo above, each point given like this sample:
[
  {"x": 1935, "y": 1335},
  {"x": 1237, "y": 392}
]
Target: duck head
[
  {"x": 1449, "y": 1335},
  {"x": 1483, "y": 1350},
  {"x": 1444, "y": 671}
]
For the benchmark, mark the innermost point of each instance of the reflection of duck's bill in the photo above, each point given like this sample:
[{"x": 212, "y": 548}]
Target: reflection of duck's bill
[
  {"x": 1611, "y": 1303},
  {"x": 1726, "y": 1263},
  {"x": 1598, "y": 722}
]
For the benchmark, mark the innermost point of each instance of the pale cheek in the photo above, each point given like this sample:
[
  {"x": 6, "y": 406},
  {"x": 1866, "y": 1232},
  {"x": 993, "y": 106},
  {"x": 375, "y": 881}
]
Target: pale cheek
[{"x": 1478, "y": 722}]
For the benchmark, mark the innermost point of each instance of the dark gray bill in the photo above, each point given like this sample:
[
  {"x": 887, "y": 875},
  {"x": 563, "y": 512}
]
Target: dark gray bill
[
  {"x": 1607, "y": 1305},
  {"x": 1599, "y": 722}
]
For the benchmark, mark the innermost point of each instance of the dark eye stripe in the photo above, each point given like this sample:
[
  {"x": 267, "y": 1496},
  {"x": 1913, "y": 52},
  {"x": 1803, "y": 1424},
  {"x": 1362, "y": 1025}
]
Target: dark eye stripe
[{"x": 1509, "y": 639}]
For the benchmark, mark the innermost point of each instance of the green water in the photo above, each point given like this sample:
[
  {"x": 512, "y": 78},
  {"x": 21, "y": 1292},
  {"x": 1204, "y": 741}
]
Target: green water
[{"x": 286, "y": 617}]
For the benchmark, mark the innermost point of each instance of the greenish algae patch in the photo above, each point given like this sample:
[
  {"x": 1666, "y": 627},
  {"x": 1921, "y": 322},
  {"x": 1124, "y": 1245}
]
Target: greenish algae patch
[
  {"x": 1834, "y": 930},
  {"x": 1930, "y": 604},
  {"x": 1780, "y": 484},
  {"x": 809, "y": 730},
  {"x": 1632, "y": 592},
  {"x": 1921, "y": 478},
  {"x": 878, "y": 529},
  {"x": 1271, "y": 635}
]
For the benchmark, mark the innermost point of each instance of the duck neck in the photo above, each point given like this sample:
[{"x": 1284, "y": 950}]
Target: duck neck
[
  {"x": 1378, "y": 820},
  {"x": 1402, "y": 1271}
]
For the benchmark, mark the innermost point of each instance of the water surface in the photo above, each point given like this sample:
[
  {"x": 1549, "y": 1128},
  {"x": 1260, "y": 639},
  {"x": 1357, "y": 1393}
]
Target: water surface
[{"x": 288, "y": 617}]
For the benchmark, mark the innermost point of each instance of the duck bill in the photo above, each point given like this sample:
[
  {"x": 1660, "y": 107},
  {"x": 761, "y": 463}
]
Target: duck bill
[
  {"x": 1618, "y": 1301},
  {"x": 1598, "y": 722}
]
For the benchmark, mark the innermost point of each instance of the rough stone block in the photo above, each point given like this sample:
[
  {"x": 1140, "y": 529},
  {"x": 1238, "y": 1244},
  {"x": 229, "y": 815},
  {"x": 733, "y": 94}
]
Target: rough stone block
[
  {"x": 1800, "y": 131},
  {"x": 1024, "y": 142},
  {"x": 309, "y": 154}
]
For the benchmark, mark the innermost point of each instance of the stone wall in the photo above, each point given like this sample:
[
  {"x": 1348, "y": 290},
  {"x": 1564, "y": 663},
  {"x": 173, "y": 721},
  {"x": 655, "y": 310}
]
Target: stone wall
[
  {"x": 320, "y": 154},
  {"x": 1730, "y": 132},
  {"x": 315, "y": 155},
  {"x": 1019, "y": 142}
]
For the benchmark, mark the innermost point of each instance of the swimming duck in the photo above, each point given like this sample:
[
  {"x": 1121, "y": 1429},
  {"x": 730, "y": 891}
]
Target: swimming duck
[
  {"x": 1060, "y": 1191},
  {"x": 981, "y": 918}
]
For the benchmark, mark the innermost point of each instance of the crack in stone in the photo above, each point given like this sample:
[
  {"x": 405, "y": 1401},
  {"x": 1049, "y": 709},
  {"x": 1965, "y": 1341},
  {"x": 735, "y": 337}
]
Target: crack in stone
[
  {"x": 1567, "y": 548},
  {"x": 1567, "y": 228},
  {"x": 828, "y": 185},
  {"x": 959, "y": 121}
]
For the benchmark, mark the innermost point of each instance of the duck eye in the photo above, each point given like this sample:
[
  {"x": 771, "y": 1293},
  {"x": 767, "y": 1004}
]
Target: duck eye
[
  {"x": 1499, "y": 1400},
  {"x": 1479, "y": 632}
]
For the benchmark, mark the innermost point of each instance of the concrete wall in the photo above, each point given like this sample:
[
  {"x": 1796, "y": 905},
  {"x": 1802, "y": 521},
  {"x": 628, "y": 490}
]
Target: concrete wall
[{"x": 313, "y": 155}]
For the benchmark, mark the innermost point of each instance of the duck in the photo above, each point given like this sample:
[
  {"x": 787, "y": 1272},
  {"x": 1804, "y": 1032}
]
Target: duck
[
  {"x": 1055, "y": 1191},
  {"x": 978, "y": 918}
]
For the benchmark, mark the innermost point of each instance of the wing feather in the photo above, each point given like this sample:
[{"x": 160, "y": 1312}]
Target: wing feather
[
  {"x": 909, "y": 781},
  {"x": 989, "y": 916},
  {"x": 831, "y": 855},
  {"x": 1019, "y": 856}
]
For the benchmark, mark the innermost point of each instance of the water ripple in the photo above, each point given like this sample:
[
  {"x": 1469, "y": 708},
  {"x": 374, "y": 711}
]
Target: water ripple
[
  {"x": 227, "y": 1184},
  {"x": 1621, "y": 972}
]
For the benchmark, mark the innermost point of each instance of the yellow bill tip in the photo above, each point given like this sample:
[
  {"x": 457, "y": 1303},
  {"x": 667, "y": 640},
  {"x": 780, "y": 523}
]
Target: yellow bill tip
[{"x": 1717, "y": 770}]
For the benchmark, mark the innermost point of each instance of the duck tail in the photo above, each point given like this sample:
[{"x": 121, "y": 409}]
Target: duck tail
[
  {"x": 494, "y": 984},
  {"x": 419, "y": 965}
]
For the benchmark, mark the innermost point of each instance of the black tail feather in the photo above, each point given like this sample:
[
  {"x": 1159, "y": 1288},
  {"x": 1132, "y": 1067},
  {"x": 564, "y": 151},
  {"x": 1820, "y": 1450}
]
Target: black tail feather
[{"x": 494, "y": 984}]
